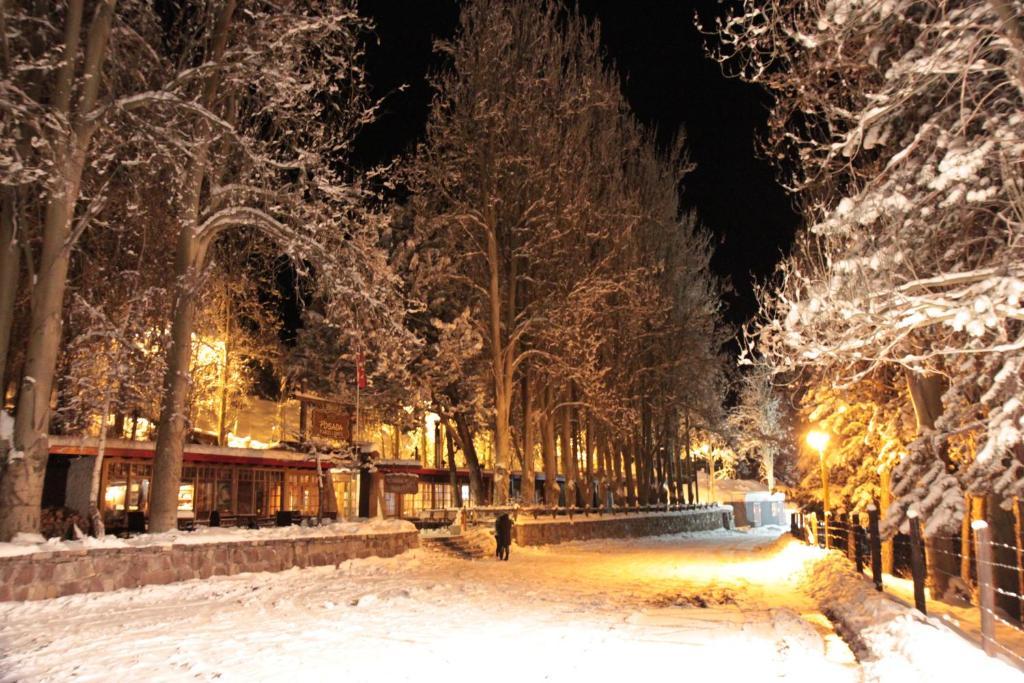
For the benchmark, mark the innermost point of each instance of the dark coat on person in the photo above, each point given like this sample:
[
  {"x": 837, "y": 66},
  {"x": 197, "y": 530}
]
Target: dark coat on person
[{"x": 503, "y": 530}]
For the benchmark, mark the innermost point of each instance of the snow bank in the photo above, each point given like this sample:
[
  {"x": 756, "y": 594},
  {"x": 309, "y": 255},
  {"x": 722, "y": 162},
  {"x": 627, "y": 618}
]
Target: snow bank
[
  {"x": 899, "y": 643},
  {"x": 26, "y": 544}
]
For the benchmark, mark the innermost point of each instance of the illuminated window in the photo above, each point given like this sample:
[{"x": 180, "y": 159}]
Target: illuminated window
[
  {"x": 267, "y": 492},
  {"x": 301, "y": 492},
  {"x": 126, "y": 487},
  {"x": 186, "y": 497},
  {"x": 114, "y": 497}
]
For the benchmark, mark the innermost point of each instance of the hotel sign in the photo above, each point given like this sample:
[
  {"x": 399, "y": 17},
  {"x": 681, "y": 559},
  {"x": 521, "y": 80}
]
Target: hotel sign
[
  {"x": 395, "y": 482},
  {"x": 331, "y": 424}
]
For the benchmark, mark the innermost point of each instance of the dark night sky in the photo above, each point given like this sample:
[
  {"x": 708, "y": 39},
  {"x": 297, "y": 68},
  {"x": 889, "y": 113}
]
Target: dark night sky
[{"x": 670, "y": 84}]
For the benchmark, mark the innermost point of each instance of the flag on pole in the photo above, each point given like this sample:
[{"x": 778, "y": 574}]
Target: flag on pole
[{"x": 360, "y": 371}]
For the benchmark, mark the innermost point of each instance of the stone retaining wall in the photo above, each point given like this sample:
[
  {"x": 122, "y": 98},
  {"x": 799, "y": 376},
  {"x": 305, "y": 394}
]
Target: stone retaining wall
[
  {"x": 51, "y": 574},
  {"x": 560, "y": 530}
]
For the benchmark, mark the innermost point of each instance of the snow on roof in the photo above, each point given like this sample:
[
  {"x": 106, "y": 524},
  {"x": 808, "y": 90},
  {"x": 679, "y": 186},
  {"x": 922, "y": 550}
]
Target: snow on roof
[{"x": 63, "y": 444}]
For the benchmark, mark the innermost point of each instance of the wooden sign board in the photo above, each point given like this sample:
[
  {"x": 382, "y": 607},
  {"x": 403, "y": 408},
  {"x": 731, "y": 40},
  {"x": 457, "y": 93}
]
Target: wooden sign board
[
  {"x": 401, "y": 483},
  {"x": 331, "y": 424}
]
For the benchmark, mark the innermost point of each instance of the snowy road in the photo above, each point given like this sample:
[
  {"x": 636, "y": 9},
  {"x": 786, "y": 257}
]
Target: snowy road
[{"x": 723, "y": 604}]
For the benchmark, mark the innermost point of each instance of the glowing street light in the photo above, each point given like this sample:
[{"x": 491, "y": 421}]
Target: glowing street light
[{"x": 818, "y": 440}]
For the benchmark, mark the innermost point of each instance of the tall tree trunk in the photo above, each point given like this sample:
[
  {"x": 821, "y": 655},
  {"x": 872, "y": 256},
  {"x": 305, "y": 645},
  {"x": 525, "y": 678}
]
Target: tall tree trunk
[
  {"x": 565, "y": 449},
  {"x": 528, "y": 480},
  {"x": 611, "y": 466},
  {"x": 975, "y": 507},
  {"x": 438, "y": 459},
  {"x": 549, "y": 453},
  {"x": 617, "y": 462},
  {"x": 670, "y": 455},
  {"x": 649, "y": 454},
  {"x": 1004, "y": 554},
  {"x": 1018, "y": 544},
  {"x": 225, "y": 376},
  {"x": 10, "y": 249},
  {"x": 602, "y": 467},
  {"x": 21, "y": 479},
  {"x": 711, "y": 478},
  {"x": 172, "y": 427},
  {"x": 547, "y": 428},
  {"x": 688, "y": 467},
  {"x": 588, "y": 447},
  {"x": 627, "y": 465},
  {"x": 568, "y": 457},
  {"x": 926, "y": 395},
  {"x": 885, "y": 485},
  {"x": 476, "y": 480},
  {"x": 95, "y": 518},
  {"x": 188, "y": 264},
  {"x": 453, "y": 479},
  {"x": 640, "y": 465},
  {"x": 10, "y": 265},
  {"x": 502, "y": 377}
]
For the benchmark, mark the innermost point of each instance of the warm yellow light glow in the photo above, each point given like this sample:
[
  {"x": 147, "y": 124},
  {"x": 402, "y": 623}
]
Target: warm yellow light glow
[
  {"x": 209, "y": 352},
  {"x": 235, "y": 441},
  {"x": 114, "y": 496},
  {"x": 817, "y": 440},
  {"x": 186, "y": 494}
]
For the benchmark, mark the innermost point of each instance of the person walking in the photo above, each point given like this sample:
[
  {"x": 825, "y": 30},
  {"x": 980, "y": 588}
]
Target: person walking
[{"x": 503, "y": 535}]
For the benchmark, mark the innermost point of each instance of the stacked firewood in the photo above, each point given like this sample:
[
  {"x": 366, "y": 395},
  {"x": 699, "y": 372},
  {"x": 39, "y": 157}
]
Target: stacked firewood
[{"x": 60, "y": 523}]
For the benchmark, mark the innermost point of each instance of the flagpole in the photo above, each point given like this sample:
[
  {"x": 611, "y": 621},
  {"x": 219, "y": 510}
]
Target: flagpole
[{"x": 360, "y": 383}]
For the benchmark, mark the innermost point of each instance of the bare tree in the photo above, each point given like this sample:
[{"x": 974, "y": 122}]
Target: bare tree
[
  {"x": 285, "y": 92},
  {"x": 902, "y": 122},
  {"x": 58, "y": 90}
]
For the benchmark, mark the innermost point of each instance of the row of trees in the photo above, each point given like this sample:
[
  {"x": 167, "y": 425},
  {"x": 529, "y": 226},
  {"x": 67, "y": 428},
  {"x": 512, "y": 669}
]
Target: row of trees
[
  {"x": 135, "y": 141},
  {"x": 565, "y": 296},
  {"x": 540, "y": 280},
  {"x": 901, "y": 132}
]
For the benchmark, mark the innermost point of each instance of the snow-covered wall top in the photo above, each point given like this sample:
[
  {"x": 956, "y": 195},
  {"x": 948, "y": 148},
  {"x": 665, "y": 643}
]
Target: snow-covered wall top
[
  {"x": 27, "y": 544},
  {"x": 43, "y": 575}
]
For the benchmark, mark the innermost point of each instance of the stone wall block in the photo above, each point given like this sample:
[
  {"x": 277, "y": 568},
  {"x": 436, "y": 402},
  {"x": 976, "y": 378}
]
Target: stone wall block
[{"x": 51, "y": 574}]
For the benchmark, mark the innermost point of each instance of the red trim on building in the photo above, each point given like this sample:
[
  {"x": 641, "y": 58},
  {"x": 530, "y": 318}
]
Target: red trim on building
[{"x": 188, "y": 456}]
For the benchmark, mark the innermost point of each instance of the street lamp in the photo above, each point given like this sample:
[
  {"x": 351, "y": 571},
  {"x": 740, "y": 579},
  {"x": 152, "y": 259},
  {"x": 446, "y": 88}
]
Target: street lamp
[{"x": 818, "y": 440}]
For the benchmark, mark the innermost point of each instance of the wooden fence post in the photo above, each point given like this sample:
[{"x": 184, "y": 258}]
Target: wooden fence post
[
  {"x": 876, "y": 547},
  {"x": 859, "y": 548},
  {"x": 1018, "y": 541},
  {"x": 986, "y": 584},
  {"x": 851, "y": 536},
  {"x": 917, "y": 563}
]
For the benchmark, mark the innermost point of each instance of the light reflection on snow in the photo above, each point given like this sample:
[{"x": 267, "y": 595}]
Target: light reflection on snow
[{"x": 594, "y": 610}]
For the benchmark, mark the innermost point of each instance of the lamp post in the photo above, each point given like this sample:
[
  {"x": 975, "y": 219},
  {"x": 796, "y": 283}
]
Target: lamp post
[{"x": 819, "y": 441}]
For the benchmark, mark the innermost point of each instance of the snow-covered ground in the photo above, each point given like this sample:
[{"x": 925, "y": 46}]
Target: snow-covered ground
[
  {"x": 715, "y": 604},
  {"x": 898, "y": 642},
  {"x": 966, "y": 618}
]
